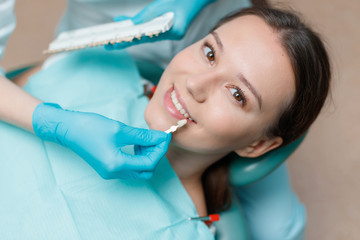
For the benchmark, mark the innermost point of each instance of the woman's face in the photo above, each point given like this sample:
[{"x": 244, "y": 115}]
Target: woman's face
[{"x": 231, "y": 86}]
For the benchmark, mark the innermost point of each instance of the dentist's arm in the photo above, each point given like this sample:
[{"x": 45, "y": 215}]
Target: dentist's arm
[
  {"x": 98, "y": 140},
  {"x": 16, "y": 105},
  {"x": 95, "y": 138},
  {"x": 185, "y": 12}
]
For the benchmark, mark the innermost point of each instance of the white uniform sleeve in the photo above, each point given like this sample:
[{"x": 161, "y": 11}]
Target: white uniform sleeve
[
  {"x": 272, "y": 209},
  {"x": 7, "y": 25}
]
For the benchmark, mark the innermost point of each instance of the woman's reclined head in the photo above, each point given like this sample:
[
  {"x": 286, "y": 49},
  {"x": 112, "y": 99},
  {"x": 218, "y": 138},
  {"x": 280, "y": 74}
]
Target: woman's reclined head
[{"x": 256, "y": 82}]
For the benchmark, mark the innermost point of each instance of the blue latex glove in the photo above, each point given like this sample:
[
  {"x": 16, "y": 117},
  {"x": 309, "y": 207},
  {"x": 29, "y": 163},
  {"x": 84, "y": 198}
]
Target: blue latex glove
[
  {"x": 98, "y": 140},
  {"x": 185, "y": 11}
]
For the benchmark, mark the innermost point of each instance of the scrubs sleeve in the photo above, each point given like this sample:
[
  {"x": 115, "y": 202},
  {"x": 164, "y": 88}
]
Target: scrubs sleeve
[
  {"x": 7, "y": 25},
  {"x": 272, "y": 209}
]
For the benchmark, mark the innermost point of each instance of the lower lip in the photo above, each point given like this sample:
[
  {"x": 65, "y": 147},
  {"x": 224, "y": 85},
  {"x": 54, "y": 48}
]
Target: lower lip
[{"x": 169, "y": 106}]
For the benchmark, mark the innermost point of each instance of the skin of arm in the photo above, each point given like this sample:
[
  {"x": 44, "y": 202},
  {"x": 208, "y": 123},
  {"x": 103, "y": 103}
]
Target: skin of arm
[{"x": 16, "y": 105}]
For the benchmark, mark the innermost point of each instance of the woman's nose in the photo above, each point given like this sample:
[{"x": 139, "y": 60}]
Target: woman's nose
[{"x": 200, "y": 85}]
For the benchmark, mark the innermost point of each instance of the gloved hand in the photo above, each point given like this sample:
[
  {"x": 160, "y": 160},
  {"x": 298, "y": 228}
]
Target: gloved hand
[
  {"x": 185, "y": 11},
  {"x": 98, "y": 140}
]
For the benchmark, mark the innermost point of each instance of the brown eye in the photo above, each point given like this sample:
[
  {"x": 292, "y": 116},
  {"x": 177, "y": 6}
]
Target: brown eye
[
  {"x": 210, "y": 55},
  {"x": 238, "y": 95}
]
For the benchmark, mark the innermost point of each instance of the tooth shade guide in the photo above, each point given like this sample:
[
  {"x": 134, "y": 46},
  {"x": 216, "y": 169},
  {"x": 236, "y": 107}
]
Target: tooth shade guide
[
  {"x": 123, "y": 31},
  {"x": 180, "y": 123}
]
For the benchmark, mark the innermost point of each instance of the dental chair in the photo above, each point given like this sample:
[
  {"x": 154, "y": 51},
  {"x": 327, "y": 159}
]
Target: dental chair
[{"x": 243, "y": 171}]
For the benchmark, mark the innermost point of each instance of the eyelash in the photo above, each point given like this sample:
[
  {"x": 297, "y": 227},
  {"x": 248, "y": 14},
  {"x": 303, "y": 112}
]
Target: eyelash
[{"x": 243, "y": 100}]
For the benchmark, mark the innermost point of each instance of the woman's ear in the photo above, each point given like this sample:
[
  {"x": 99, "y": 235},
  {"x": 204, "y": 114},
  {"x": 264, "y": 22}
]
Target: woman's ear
[{"x": 260, "y": 147}]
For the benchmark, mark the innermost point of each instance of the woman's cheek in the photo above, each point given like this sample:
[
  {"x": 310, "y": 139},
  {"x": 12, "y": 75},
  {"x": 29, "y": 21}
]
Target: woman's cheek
[
  {"x": 219, "y": 119},
  {"x": 153, "y": 117}
]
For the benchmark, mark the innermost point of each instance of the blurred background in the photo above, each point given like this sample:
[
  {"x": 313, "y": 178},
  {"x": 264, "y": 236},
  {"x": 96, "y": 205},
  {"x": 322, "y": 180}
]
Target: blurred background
[{"x": 324, "y": 170}]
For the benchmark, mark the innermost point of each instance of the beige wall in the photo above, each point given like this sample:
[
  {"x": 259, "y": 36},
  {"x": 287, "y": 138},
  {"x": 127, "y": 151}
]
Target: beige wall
[
  {"x": 36, "y": 22},
  {"x": 324, "y": 169}
]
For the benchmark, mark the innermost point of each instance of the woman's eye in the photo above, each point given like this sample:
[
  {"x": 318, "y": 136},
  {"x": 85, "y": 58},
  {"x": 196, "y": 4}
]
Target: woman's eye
[
  {"x": 238, "y": 95},
  {"x": 209, "y": 53}
]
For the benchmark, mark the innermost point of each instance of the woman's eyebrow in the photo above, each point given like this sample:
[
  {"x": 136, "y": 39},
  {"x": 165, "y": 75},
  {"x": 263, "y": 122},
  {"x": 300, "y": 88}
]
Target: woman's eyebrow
[
  {"x": 217, "y": 39},
  {"x": 251, "y": 88}
]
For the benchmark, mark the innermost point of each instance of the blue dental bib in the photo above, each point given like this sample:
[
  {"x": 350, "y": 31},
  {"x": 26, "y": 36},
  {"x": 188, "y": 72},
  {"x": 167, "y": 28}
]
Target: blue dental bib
[{"x": 48, "y": 192}]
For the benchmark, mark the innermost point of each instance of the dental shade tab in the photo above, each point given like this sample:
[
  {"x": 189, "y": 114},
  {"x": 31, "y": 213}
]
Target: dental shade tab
[
  {"x": 115, "y": 32},
  {"x": 180, "y": 123}
]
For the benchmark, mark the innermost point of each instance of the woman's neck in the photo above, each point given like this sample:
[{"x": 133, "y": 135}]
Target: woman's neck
[{"x": 189, "y": 167}]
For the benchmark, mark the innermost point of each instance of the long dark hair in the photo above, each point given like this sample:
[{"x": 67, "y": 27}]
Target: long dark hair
[{"x": 311, "y": 67}]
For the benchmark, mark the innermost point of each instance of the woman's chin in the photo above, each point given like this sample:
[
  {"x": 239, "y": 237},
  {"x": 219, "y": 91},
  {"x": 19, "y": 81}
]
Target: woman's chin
[{"x": 157, "y": 124}]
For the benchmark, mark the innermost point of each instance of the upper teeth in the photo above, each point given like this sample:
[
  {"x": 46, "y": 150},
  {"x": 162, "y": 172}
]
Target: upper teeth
[{"x": 179, "y": 106}]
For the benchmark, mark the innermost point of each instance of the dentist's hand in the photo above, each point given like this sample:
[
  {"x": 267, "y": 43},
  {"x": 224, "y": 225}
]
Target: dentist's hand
[
  {"x": 98, "y": 140},
  {"x": 185, "y": 12}
]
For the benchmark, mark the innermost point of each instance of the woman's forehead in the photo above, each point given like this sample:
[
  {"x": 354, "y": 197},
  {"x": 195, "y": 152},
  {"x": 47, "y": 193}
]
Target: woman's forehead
[
  {"x": 248, "y": 27},
  {"x": 252, "y": 48}
]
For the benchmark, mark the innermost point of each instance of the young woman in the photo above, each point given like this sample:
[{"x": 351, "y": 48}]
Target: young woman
[{"x": 255, "y": 83}]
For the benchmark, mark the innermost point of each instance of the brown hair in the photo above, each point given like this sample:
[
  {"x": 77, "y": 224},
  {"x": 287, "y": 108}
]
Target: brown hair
[{"x": 311, "y": 68}]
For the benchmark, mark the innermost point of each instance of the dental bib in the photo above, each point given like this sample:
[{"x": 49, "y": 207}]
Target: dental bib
[{"x": 48, "y": 192}]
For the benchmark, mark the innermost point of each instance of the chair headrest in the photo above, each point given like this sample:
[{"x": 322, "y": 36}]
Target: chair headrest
[{"x": 244, "y": 171}]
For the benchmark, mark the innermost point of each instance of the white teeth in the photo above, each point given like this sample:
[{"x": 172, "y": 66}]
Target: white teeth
[
  {"x": 179, "y": 106},
  {"x": 173, "y": 97}
]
